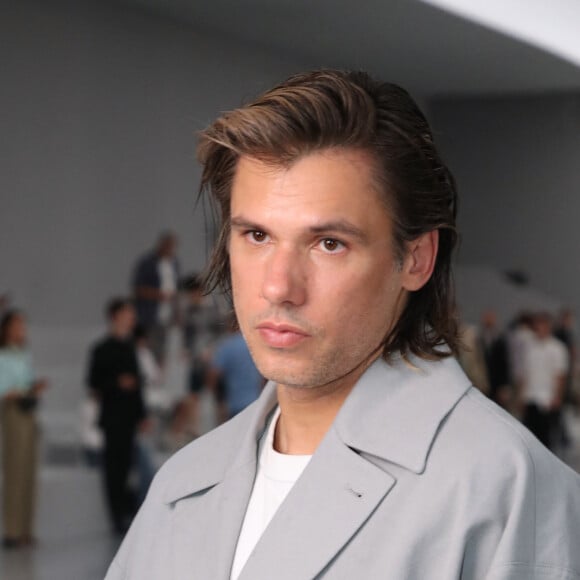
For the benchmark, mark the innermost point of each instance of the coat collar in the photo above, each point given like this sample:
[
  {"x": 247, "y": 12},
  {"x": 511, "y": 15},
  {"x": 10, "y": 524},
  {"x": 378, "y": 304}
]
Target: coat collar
[
  {"x": 393, "y": 413},
  {"x": 227, "y": 448},
  {"x": 395, "y": 410}
]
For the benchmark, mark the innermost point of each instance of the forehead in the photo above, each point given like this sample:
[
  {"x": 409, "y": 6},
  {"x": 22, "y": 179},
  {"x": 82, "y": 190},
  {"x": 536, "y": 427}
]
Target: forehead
[{"x": 335, "y": 182}]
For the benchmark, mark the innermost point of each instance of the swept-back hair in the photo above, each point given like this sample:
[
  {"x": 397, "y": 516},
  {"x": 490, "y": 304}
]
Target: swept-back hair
[{"x": 330, "y": 109}]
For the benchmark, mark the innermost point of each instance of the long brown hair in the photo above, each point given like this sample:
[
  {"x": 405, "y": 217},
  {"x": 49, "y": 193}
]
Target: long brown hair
[{"x": 336, "y": 109}]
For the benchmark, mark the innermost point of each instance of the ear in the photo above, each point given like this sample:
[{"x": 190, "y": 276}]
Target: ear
[{"x": 419, "y": 261}]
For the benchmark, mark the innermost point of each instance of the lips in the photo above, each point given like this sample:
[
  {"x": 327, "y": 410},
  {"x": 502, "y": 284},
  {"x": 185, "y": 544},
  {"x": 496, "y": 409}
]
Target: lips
[{"x": 281, "y": 335}]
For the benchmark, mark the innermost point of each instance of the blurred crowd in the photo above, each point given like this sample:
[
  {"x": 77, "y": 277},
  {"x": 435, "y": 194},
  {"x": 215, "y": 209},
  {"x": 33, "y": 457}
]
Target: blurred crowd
[
  {"x": 130, "y": 420},
  {"x": 529, "y": 368},
  {"x": 130, "y": 423}
]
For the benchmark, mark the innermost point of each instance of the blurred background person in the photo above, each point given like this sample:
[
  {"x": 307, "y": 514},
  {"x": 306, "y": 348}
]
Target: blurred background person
[
  {"x": 520, "y": 337},
  {"x": 91, "y": 435},
  {"x": 154, "y": 401},
  {"x": 233, "y": 367},
  {"x": 544, "y": 379},
  {"x": 115, "y": 381},
  {"x": 471, "y": 357},
  {"x": 150, "y": 371},
  {"x": 564, "y": 332},
  {"x": 203, "y": 327},
  {"x": 155, "y": 285},
  {"x": 19, "y": 394},
  {"x": 496, "y": 357}
]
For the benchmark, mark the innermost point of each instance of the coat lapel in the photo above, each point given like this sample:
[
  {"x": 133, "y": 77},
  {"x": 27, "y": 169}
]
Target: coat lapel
[
  {"x": 393, "y": 414},
  {"x": 336, "y": 494},
  {"x": 206, "y": 550}
]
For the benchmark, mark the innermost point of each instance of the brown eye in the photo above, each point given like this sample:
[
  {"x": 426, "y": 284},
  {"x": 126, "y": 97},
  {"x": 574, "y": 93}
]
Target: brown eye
[
  {"x": 332, "y": 246},
  {"x": 257, "y": 236}
]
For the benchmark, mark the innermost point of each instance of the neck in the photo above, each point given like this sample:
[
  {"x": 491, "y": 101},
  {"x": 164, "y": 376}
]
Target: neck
[{"x": 307, "y": 413}]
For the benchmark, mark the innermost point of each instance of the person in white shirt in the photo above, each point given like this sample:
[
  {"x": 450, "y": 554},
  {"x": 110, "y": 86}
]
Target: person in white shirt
[
  {"x": 519, "y": 338},
  {"x": 545, "y": 368}
]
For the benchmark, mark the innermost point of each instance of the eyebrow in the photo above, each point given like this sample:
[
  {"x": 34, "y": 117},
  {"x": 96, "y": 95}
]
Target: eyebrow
[{"x": 339, "y": 226}]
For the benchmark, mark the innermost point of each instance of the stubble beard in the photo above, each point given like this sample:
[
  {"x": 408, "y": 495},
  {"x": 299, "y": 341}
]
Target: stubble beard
[{"x": 320, "y": 371}]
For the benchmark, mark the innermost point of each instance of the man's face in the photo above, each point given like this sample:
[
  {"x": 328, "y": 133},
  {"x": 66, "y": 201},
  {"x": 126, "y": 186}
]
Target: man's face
[
  {"x": 489, "y": 320},
  {"x": 17, "y": 330},
  {"x": 315, "y": 282},
  {"x": 124, "y": 321},
  {"x": 543, "y": 327},
  {"x": 167, "y": 247}
]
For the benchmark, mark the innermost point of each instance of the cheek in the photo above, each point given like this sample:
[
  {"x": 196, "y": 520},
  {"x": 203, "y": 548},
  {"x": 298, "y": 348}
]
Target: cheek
[
  {"x": 361, "y": 297},
  {"x": 245, "y": 284}
]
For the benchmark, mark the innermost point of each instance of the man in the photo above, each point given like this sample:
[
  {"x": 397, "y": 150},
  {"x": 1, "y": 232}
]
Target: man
[
  {"x": 154, "y": 283},
  {"x": 203, "y": 327},
  {"x": 115, "y": 382},
  {"x": 496, "y": 354},
  {"x": 564, "y": 332},
  {"x": 368, "y": 455},
  {"x": 471, "y": 357},
  {"x": 520, "y": 337},
  {"x": 544, "y": 383}
]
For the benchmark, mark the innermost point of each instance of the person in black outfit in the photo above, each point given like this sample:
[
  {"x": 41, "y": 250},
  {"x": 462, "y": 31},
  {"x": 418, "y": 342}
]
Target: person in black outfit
[
  {"x": 564, "y": 332},
  {"x": 115, "y": 381},
  {"x": 496, "y": 356}
]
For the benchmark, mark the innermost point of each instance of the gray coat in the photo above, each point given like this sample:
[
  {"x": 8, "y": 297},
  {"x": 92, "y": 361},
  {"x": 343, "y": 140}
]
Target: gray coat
[{"x": 419, "y": 478}]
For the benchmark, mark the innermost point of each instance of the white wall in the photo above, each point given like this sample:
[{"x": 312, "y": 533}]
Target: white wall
[
  {"x": 517, "y": 161},
  {"x": 98, "y": 107}
]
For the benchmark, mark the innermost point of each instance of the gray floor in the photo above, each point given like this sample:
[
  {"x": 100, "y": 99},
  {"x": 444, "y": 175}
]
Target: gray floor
[{"x": 74, "y": 538}]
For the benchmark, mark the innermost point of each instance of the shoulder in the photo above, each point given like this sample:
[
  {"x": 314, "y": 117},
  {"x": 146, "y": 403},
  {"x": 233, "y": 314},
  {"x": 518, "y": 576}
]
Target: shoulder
[
  {"x": 147, "y": 261},
  {"x": 101, "y": 345},
  {"x": 8, "y": 357},
  {"x": 497, "y": 471},
  {"x": 225, "y": 346},
  {"x": 489, "y": 446},
  {"x": 486, "y": 429},
  {"x": 557, "y": 346}
]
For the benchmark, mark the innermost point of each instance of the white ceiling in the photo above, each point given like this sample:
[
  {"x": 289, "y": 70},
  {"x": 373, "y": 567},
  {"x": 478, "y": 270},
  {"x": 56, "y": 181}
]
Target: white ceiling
[
  {"x": 427, "y": 50},
  {"x": 553, "y": 26}
]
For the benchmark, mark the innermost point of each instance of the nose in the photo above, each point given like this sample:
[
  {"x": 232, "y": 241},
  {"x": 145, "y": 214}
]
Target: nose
[{"x": 285, "y": 278}]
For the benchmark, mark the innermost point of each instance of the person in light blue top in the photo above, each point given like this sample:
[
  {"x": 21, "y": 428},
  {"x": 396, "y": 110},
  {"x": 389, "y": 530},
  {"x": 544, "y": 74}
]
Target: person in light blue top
[
  {"x": 19, "y": 392},
  {"x": 15, "y": 372},
  {"x": 233, "y": 365}
]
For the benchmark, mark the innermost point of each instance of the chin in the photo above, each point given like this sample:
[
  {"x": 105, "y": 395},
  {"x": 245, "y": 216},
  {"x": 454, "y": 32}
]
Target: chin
[
  {"x": 281, "y": 371},
  {"x": 297, "y": 376}
]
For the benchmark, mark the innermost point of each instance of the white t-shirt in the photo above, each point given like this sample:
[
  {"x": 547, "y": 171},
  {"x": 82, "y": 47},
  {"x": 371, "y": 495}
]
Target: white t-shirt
[
  {"x": 276, "y": 475},
  {"x": 519, "y": 341},
  {"x": 168, "y": 285},
  {"x": 546, "y": 361}
]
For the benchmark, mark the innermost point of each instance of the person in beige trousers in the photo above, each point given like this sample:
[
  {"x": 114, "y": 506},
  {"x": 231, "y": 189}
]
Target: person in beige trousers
[{"x": 19, "y": 393}]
